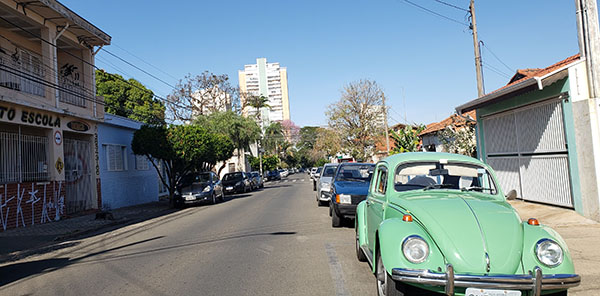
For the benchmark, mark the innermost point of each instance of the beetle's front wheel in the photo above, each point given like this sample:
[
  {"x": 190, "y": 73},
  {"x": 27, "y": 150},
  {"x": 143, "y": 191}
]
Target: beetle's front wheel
[{"x": 385, "y": 284}]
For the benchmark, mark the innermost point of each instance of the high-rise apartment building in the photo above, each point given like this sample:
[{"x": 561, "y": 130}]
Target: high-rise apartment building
[{"x": 268, "y": 80}]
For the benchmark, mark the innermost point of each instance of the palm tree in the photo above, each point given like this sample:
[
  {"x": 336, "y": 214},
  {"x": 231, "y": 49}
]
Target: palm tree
[{"x": 258, "y": 102}]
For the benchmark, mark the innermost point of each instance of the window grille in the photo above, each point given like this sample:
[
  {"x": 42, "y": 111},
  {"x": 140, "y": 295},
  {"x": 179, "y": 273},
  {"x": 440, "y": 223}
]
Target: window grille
[
  {"x": 22, "y": 71},
  {"x": 141, "y": 163},
  {"x": 115, "y": 156},
  {"x": 23, "y": 158}
]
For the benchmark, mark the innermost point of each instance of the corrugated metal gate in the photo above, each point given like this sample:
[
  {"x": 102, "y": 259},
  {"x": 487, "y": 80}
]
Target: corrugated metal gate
[
  {"x": 78, "y": 176},
  {"x": 527, "y": 149}
]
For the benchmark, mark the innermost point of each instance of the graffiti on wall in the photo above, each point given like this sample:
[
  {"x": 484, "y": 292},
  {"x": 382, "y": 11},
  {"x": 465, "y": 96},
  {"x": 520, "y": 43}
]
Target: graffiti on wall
[{"x": 13, "y": 204}]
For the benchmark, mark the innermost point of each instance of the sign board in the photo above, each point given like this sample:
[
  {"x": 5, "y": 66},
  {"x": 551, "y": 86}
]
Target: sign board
[{"x": 57, "y": 138}]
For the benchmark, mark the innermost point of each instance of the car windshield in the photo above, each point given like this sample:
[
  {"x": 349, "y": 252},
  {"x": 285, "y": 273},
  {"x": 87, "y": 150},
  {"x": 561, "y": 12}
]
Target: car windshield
[
  {"x": 195, "y": 178},
  {"x": 232, "y": 176},
  {"x": 355, "y": 172},
  {"x": 319, "y": 170},
  {"x": 432, "y": 175},
  {"x": 329, "y": 171}
]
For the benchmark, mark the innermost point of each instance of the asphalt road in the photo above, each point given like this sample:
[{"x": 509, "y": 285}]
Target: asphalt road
[{"x": 275, "y": 241}]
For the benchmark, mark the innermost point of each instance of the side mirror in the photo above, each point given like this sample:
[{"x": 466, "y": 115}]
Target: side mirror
[{"x": 512, "y": 195}]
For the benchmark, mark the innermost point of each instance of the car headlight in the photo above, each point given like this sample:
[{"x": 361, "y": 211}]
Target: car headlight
[
  {"x": 549, "y": 252},
  {"x": 206, "y": 189},
  {"x": 325, "y": 186},
  {"x": 415, "y": 249}
]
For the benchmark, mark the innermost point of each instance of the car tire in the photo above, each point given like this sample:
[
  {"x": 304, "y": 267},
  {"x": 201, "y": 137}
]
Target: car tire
[
  {"x": 222, "y": 197},
  {"x": 360, "y": 255},
  {"x": 386, "y": 286},
  {"x": 330, "y": 210},
  {"x": 336, "y": 220},
  {"x": 213, "y": 198}
]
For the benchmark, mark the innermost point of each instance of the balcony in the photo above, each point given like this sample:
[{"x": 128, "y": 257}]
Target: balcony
[{"x": 22, "y": 71}]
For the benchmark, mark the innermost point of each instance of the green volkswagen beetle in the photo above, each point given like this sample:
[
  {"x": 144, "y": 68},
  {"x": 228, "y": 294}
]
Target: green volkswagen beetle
[{"x": 439, "y": 222}]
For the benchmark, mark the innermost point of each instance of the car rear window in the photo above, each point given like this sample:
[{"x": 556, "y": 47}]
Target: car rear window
[
  {"x": 233, "y": 176},
  {"x": 355, "y": 172},
  {"x": 329, "y": 171}
]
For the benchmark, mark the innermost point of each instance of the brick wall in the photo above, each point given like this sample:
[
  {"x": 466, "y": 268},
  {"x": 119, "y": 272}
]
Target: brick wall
[{"x": 30, "y": 203}]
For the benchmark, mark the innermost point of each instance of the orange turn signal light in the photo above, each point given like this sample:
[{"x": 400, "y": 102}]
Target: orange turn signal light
[
  {"x": 407, "y": 218},
  {"x": 533, "y": 221},
  {"x": 337, "y": 198}
]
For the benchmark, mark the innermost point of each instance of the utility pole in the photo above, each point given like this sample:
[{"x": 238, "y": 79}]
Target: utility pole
[
  {"x": 480, "y": 91},
  {"x": 589, "y": 44},
  {"x": 385, "y": 122}
]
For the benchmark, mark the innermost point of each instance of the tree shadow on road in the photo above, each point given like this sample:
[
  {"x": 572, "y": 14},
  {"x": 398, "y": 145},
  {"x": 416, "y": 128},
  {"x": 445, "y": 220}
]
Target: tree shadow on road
[{"x": 17, "y": 271}]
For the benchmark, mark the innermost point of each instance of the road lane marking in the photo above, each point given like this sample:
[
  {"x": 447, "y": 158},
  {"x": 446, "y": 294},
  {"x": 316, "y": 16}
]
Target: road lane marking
[
  {"x": 302, "y": 238},
  {"x": 294, "y": 180},
  {"x": 337, "y": 274}
]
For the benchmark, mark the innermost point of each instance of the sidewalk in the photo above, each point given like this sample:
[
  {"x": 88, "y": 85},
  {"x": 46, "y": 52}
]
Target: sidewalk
[
  {"x": 21, "y": 242},
  {"x": 581, "y": 234}
]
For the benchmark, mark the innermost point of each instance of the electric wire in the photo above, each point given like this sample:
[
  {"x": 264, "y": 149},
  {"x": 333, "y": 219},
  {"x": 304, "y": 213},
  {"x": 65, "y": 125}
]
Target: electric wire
[
  {"x": 451, "y": 5},
  {"x": 138, "y": 68},
  {"x": 86, "y": 62},
  {"x": 145, "y": 62},
  {"x": 436, "y": 13},
  {"x": 497, "y": 58}
]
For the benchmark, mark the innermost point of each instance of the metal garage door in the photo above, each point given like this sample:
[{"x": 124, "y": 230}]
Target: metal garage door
[{"x": 527, "y": 149}]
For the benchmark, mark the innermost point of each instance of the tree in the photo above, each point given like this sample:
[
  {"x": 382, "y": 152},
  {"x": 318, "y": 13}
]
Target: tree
[
  {"x": 256, "y": 102},
  {"x": 129, "y": 98},
  {"x": 307, "y": 137},
  {"x": 290, "y": 130},
  {"x": 327, "y": 144},
  {"x": 459, "y": 140},
  {"x": 273, "y": 138},
  {"x": 241, "y": 131},
  {"x": 201, "y": 95},
  {"x": 406, "y": 139},
  {"x": 270, "y": 162},
  {"x": 354, "y": 117},
  {"x": 181, "y": 149}
]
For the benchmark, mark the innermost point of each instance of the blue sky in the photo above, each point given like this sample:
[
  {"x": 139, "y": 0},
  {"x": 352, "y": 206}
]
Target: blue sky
[{"x": 424, "y": 63}]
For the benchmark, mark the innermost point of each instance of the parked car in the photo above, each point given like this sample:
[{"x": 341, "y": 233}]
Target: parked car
[
  {"x": 237, "y": 182},
  {"x": 273, "y": 175},
  {"x": 199, "y": 187},
  {"x": 324, "y": 184},
  {"x": 350, "y": 186},
  {"x": 283, "y": 172},
  {"x": 439, "y": 222},
  {"x": 316, "y": 177},
  {"x": 257, "y": 180}
]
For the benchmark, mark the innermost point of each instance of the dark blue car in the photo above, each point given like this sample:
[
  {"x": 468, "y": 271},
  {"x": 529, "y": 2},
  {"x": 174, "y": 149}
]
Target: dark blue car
[{"x": 349, "y": 187}]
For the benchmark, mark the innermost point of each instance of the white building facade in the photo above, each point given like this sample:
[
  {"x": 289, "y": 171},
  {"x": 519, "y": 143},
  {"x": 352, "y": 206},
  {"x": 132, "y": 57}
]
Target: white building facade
[{"x": 268, "y": 80}]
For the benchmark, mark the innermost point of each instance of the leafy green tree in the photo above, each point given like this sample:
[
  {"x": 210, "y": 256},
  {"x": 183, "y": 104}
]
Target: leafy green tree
[
  {"x": 241, "y": 131},
  {"x": 257, "y": 102},
  {"x": 270, "y": 162},
  {"x": 459, "y": 140},
  {"x": 129, "y": 98},
  {"x": 181, "y": 149},
  {"x": 406, "y": 139},
  {"x": 273, "y": 138},
  {"x": 321, "y": 162}
]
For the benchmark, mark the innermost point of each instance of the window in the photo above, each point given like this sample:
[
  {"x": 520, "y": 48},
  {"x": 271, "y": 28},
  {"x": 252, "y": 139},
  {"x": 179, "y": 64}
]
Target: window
[
  {"x": 382, "y": 180},
  {"x": 115, "y": 158},
  {"x": 141, "y": 163},
  {"x": 23, "y": 158},
  {"x": 231, "y": 168}
]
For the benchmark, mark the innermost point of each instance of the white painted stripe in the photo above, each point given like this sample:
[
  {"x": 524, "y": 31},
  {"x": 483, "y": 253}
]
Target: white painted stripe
[
  {"x": 337, "y": 274},
  {"x": 294, "y": 180}
]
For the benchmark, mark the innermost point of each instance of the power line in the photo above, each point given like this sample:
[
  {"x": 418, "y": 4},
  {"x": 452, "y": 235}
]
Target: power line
[
  {"x": 495, "y": 70},
  {"x": 497, "y": 58},
  {"x": 145, "y": 62},
  {"x": 140, "y": 69},
  {"x": 451, "y": 5},
  {"x": 436, "y": 13},
  {"x": 86, "y": 62}
]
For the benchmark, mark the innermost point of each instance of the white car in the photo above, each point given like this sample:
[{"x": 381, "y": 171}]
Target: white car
[
  {"x": 284, "y": 173},
  {"x": 324, "y": 183}
]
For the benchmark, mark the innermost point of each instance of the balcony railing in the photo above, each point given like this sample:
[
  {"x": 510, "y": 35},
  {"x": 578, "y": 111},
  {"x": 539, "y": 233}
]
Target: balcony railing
[
  {"x": 72, "y": 93},
  {"x": 22, "y": 71}
]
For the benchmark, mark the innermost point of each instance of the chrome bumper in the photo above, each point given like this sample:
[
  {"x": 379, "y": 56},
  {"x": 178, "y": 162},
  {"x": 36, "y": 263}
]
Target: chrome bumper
[{"x": 535, "y": 282}]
